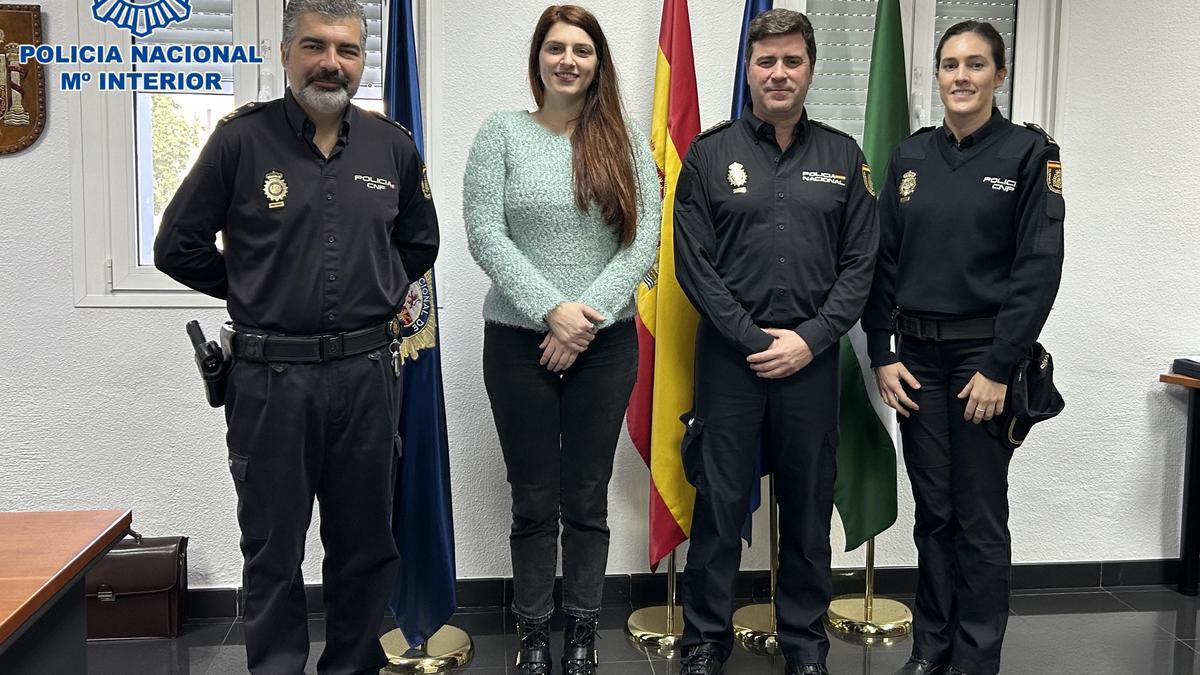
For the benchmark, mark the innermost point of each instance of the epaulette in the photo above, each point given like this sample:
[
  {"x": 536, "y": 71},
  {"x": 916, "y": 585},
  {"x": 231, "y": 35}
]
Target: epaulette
[
  {"x": 251, "y": 107},
  {"x": 714, "y": 129},
  {"x": 1042, "y": 132},
  {"x": 922, "y": 130},
  {"x": 393, "y": 122},
  {"x": 833, "y": 129}
]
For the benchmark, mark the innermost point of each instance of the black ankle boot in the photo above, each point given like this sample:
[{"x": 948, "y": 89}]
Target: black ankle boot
[
  {"x": 533, "y": 658},
  {"x": 579, "y": 646}
]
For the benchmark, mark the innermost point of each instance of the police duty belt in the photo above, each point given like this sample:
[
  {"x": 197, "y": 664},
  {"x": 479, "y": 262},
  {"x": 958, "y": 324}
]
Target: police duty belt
[{"x": 313, "y": 348}]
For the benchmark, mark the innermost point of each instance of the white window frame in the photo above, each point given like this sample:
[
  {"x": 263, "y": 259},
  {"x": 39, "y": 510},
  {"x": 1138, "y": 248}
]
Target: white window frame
[
  {"x": 103, "y": 170},
  {"x": 1041, "y": 38}
]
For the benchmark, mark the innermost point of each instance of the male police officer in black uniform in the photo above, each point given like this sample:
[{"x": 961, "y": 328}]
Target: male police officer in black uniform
[
  {"x": 775, "y": 241},
  {"x": 326, "y": 218}
]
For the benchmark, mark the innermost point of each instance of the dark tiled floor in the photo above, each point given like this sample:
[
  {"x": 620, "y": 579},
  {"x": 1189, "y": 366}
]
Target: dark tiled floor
[{"x": 1144, "y": 630}]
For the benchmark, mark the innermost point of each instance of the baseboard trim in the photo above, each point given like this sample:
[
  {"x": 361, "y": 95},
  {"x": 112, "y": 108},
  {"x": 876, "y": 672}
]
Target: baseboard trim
[{"x": 755, "y": 586}]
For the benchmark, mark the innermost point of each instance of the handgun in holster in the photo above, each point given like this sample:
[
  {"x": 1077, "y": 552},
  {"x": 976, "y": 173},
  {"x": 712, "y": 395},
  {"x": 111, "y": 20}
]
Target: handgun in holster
[{"x": 213, "y": 364}]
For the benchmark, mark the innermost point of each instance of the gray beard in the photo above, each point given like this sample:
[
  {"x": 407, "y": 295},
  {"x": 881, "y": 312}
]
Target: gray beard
[{"x": 324, "y": 102}]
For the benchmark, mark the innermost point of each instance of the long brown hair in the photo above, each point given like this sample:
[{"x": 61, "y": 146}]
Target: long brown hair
[{"x": 602, "y": 163}]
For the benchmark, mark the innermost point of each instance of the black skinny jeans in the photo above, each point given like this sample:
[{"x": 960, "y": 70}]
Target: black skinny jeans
[{"x": 558, "y": 432}]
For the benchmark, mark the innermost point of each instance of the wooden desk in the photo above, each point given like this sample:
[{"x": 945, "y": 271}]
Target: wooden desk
[
  {"x": 1189, "y": 528},
  {"x": 43, "y": 559}
]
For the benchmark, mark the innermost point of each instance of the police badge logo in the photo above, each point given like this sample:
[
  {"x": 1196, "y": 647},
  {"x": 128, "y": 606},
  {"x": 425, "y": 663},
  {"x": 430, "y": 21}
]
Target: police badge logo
[
  {"x": 908, "y": 185},
  {"x": 866, "y": 174},
  {"x": 737, "y": 177},
  {"x": 22, "y": 85},
  {"x": 141, "y": 17},
  {"x": 1054, "y": 177},
  {"x": 275, "y": 188},
  {"x": 418, "y": 319}
]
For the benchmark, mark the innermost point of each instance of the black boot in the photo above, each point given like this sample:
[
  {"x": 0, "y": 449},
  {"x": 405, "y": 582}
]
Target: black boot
[
  {"x": 579, "y": 646},
  {"x": 533, "y": 658}
]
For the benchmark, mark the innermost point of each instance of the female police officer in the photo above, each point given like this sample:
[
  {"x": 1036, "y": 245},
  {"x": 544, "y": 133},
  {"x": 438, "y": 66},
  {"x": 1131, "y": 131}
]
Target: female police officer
[{"x": 970, "y": 258}]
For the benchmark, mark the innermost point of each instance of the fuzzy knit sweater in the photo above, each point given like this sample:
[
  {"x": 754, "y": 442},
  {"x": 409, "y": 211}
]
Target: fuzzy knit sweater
[{"x": 538, "y": 248}]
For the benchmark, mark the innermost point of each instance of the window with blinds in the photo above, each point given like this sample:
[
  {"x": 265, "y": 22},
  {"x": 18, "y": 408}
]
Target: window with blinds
[
  {"x": 170, "y": 128},
  {"x": 844, "y": 30},
  {"x": 1002, "y": 15},
  {"x": 371, "y": 87},
  {"x": 211, "y": 23}
]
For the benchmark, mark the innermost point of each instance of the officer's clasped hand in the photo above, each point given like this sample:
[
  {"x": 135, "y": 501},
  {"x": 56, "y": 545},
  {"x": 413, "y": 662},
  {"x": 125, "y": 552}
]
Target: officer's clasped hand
[{"x": 787, "y": 354}]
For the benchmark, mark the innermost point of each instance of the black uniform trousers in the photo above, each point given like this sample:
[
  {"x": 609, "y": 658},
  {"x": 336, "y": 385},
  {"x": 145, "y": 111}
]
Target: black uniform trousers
[
  {"x": 959, "y": 474},
  {"x": 738, "y": 414},
  {"x": 325, "y": 430}
]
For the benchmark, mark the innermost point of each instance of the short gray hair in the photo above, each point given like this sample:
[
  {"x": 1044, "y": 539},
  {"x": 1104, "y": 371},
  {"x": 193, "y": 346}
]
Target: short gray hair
[
  {"x": 334, "y": 9},
  {"x": 775, "y": 22}
]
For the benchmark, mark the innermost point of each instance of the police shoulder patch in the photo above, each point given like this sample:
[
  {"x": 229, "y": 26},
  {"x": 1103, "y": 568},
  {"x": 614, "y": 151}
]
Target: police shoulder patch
[
  {"x": 867, "y": 182},
  {"x": 393, "y": 122},
  {"x": 251, "y": 107},
  {"x": 724, "y": 124},
  {"x": 1054, "y": 176},
  {"x": 833, "y": 129},
  {"x": 1042, "y": 132}
]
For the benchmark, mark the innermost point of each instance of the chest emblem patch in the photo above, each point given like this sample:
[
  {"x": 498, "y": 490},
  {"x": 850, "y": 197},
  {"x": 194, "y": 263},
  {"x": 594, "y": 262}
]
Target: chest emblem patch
[
  {"x": 1054, "y": 177},
  {"x": 866, "y": 172},
  {"x": 1001, "y": 184},
  {"x": 736, "y": 175},
  {"x": 908, "y": 185},
  {"x": 374, "y": 183},
  {"x": 823, "y": 177},
  {"x": 275, "y": 188}
]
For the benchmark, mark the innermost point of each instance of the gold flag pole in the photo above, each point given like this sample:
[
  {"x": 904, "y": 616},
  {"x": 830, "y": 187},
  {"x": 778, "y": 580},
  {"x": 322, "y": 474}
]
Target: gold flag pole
[
  {"x": 449, "y": 648},
  {"x": 867, "y": 617},
  {"x": 659, "y": 629},
  {"x": 754, "y": 625}
]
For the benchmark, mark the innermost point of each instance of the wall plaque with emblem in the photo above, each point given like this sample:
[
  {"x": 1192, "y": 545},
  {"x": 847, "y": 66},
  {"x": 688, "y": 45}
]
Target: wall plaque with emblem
[{"x": 22, "y": 86}]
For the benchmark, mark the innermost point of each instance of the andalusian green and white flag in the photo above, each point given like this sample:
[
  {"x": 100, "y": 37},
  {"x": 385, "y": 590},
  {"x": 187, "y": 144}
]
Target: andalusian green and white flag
[{"x": 865, "y": 491}]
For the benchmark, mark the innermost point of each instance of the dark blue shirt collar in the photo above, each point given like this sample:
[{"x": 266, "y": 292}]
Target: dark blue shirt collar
[
  {"x": 766, "y": 131},
  {"x": 303, "y": 127},
  {"x": 989, "y": 127}
]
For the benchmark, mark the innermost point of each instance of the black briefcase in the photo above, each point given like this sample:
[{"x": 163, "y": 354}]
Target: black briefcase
[
  {"x": 1031, "y": 398},
  {"x": 137, "y": 589}
]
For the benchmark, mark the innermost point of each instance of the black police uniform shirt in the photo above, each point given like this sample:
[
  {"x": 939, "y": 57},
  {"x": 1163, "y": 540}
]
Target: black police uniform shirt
[
  {"x": 771, "y": 239},
  {"x": 312, "y": 245},
  {"x": 970, "y": 228}
]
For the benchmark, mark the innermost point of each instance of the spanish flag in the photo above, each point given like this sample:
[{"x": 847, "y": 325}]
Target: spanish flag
[{"x": 665, "y": 319}]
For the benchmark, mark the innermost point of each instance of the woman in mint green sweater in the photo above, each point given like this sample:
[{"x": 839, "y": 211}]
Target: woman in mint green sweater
[{"x": 562, "y": 210}]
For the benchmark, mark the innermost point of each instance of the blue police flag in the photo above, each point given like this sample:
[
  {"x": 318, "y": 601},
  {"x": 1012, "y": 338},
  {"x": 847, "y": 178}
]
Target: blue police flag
[
  {"x": 741, "y": 94},
  {"x": 423, "y": 597}
]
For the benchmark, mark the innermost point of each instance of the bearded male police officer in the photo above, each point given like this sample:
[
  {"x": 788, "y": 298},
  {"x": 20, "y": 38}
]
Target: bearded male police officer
[
  {"x": 775, "y": 239},
  {"x": 326, "y": 218}
]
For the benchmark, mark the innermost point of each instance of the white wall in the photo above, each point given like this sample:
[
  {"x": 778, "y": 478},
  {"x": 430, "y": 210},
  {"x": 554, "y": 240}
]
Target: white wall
[{"x": 104, "y": 407}]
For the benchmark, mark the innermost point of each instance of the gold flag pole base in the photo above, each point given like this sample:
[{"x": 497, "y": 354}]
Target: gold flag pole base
[
  {"x": 659, "y": 630},
  {"x": 889, "y": 621},
  {"x": 652, "y": 632},
  {"x": 754, "y": 629},
  {"x": 447, "y": 649}
]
